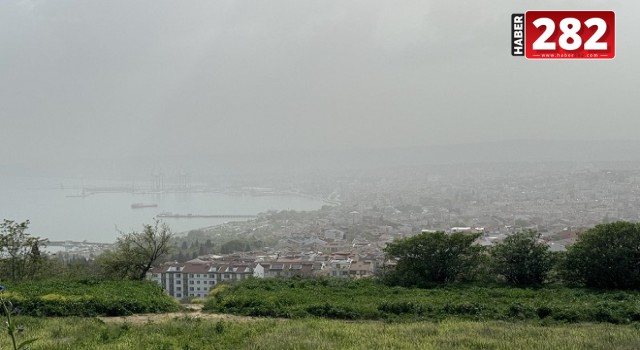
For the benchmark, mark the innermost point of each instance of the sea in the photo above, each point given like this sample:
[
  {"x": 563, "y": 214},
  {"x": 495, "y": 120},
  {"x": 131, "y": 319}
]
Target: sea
[{"x": 57, "y": 210}]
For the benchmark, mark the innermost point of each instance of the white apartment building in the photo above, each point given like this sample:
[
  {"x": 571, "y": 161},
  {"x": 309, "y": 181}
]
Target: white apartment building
[{"x": 196, "y": 278}]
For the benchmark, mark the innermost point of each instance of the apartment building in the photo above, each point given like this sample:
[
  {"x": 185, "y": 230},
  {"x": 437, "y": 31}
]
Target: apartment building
[{"x": 196, "y": 278}]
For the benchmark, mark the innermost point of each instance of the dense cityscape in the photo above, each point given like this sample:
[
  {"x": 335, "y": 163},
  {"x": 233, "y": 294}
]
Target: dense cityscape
[{"x": 364, "y": 213}]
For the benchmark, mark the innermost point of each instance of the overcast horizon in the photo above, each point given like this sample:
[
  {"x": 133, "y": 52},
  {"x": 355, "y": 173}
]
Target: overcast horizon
[{"x": 85, "y": 80}]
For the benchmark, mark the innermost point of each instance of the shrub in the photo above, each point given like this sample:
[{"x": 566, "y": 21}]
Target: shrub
[
  {"x": 333, "y": 311},
  {"x": 79, "y": 298},
  {"x": 402, "y": 307}
]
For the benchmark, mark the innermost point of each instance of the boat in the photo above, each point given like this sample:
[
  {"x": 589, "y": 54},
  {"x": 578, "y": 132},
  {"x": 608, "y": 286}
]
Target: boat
[{"x": 143, "y": 205}]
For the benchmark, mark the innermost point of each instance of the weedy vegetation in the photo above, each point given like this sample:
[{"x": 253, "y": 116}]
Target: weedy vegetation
[
  {"x": 189, "y": 333},
  {"x": 368, "y": 299},
  {"x": 11, "y": 327}
]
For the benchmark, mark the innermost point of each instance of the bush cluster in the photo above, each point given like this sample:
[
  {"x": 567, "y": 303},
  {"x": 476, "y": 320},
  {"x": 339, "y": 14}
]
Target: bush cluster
[
  {"x": 369, "y": 299},
  {"x": 88, "y": 297}
]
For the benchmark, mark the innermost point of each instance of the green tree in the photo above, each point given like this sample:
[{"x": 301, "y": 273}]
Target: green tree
[
  {"x": 606, "y": 256},
  {"x": 20, "y": 255},
  {"x": 234, "y": 245},
  {"x": 136, "y": 252},
  {"x": 432, "y": 258},
  {"x": 522, "y": 259}
]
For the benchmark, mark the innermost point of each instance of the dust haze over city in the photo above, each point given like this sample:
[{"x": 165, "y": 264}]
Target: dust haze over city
[
  {"x": 362, "y": 105},
  {"x": 306, "y": 174}
]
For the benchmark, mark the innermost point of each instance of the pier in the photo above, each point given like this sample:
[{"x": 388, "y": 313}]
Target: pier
[
  {"x": 75, "y": 244},
  {"x": 212, "y": 216}
]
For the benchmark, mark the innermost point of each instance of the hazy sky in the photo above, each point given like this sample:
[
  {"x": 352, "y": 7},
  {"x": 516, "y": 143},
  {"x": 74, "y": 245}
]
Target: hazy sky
[{"x": 82, "y": 78}]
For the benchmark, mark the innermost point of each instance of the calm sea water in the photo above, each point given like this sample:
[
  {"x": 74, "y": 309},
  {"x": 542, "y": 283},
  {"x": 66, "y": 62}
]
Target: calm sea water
[{"x": 98, "y": 217}]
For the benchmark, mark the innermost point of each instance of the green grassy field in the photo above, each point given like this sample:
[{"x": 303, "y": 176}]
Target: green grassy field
[
  {"x": 188, "y": 333},
  {"x": 370, "y": 300},
  {"x": 326, "y": 314}
]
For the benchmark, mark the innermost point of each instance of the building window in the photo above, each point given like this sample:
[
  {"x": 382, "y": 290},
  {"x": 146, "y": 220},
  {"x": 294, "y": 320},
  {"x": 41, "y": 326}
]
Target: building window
[
  {"x": 179, "y": 295},
  {"x": 191, "y": 275},
  {"x": 197, "y": 282},
  {"x": 178, "y": 282},
  {"x": 178, "y": 288},
  {"x": 198, "y": 275},
  {"x": 177, "y": 275},
  {"x": 191, "y": 282},
  {"x": 191, "y": 288}
]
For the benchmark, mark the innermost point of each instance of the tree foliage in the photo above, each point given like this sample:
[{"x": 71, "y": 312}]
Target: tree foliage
[
  {"x": 136, "y": 252},
  {"x": 20, "y": 253},
  {"x": 235, "y": 245},
  {"x": 432, "y": 258},
  {"x": 606, "y": 256},
  {"x": 521, "y": 259}
]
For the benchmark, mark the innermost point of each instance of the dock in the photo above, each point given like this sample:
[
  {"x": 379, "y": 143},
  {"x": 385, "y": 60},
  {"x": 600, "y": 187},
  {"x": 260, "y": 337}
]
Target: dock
[{"x": 200, "y": 216}]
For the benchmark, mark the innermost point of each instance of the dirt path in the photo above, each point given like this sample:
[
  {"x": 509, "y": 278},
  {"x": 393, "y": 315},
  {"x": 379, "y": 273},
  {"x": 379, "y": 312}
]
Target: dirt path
[{"x": 193, "y": 311}]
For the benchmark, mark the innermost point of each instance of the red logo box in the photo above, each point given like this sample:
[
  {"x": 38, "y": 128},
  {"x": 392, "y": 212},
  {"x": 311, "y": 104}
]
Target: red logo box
[{"x": 569, "y": 34}]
